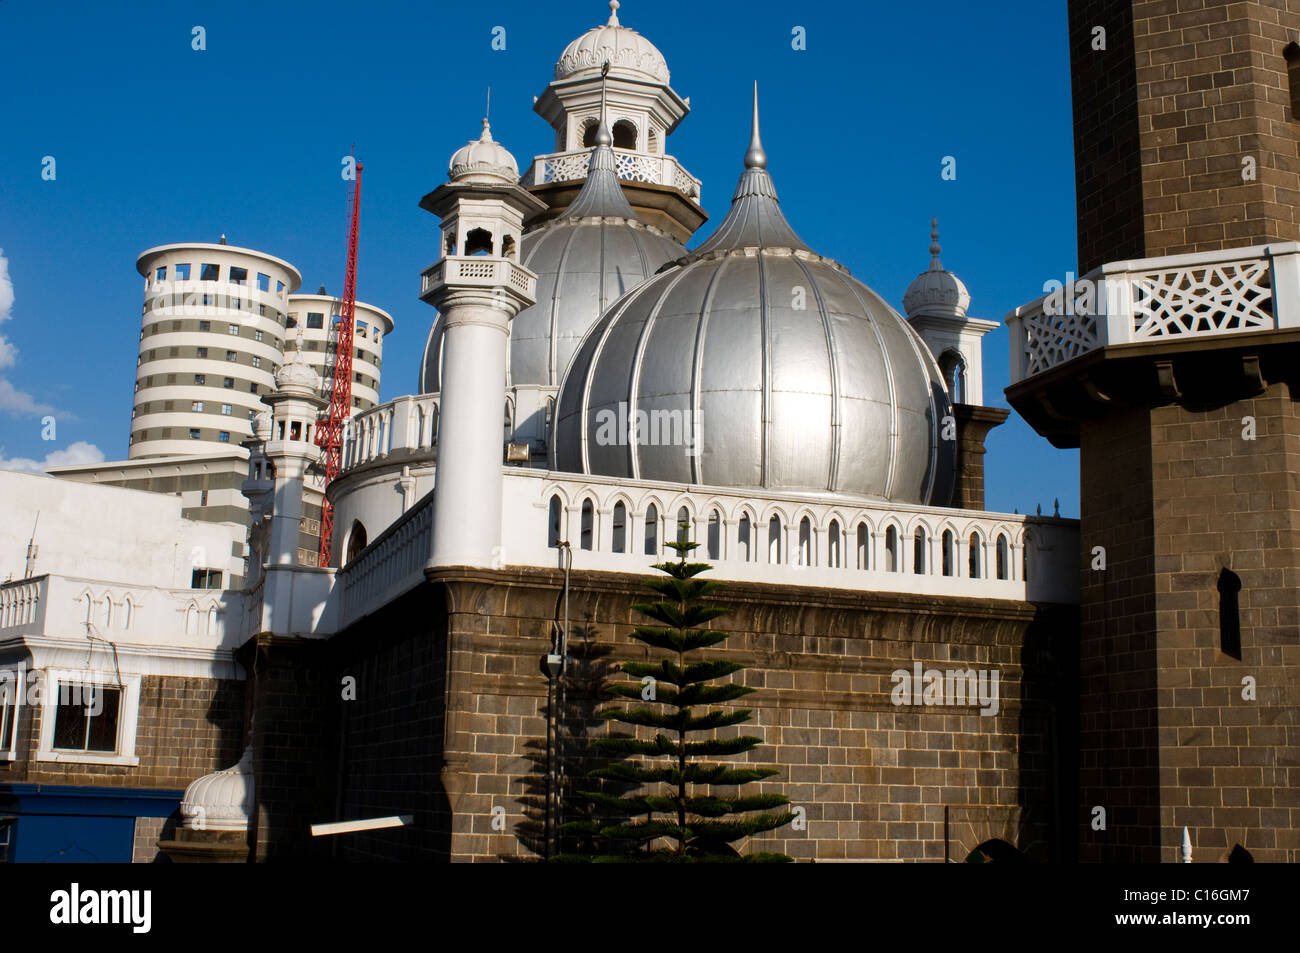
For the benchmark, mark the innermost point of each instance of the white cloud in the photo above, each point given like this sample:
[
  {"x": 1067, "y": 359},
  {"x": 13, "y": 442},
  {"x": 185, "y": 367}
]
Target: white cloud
[
  {"x": 74, "y": 453},
  {"x": 17, "y": 402}
]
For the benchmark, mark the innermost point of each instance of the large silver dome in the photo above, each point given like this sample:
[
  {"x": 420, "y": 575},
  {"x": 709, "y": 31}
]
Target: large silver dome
[
  {"x": 584, "y": 261},
  {"x": 795, "y": 375}
]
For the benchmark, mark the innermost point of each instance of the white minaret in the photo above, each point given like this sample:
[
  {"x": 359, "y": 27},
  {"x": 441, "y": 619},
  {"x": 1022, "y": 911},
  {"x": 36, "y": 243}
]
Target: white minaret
[
  {"x": 289, "y": 451},
  {"x": 478, "y": 286},
  {"x": 936, "y": 303}
]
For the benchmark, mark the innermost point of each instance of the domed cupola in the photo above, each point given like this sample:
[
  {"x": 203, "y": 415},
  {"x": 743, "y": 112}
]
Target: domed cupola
[
  {"x": 584, "y": 260},
  {"x": 483, "y": 160},
  {"x": 222, "y": 800},
  {"x": 936, "y": 290},
  {"x": 626, "y": 51},
  {"x": 758, "y": 363}
]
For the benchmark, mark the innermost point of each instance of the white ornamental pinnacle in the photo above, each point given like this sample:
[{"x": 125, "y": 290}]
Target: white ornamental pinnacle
[
  {"x": 936, "y": 291},
  {"x": 222, "y": 800},
  {"x": 296, "y": 377},
  {"x": 483, "y": 160},
  {"x": 625, "y": 50}
]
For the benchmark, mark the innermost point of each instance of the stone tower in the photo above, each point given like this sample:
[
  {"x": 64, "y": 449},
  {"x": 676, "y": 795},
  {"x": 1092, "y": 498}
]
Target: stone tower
[
  {"x": 478, "y": 285},
  {"x": 1172, "y": 366}
]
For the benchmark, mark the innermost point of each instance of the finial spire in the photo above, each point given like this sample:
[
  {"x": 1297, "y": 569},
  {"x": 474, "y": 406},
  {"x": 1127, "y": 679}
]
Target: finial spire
[
  {"x": 935, "y": 264},
  {"x": 613, "y": 13},
  {"x": 603, "y": 137},
  {"x": 487, "y": 132},
  {"x": 487, "y": 110},
  {"x": 755, "y": 158}
]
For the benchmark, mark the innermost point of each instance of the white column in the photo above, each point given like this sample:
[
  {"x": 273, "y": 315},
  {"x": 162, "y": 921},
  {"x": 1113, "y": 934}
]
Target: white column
[{"x": 469, "y": 487}]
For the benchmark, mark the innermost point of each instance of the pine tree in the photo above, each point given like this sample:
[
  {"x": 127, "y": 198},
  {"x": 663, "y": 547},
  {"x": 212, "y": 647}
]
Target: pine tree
[{"x": 685, "y": 811}]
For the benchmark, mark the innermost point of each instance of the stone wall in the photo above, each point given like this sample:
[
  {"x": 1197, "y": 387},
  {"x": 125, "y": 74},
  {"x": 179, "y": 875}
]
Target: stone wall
[
  {"x": 449, "y": 719},
  {"x": 1201, "y": 590},
  {"x": 1193, "y": 97},
  {"x": 186, "y": 728}
]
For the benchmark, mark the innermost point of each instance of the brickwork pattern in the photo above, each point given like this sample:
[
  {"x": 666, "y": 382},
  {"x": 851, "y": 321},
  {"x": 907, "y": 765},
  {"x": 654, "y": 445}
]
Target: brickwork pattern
[
  {"x": 1178, "y": 496},
  {"x": 186, "y": 728},
  {"x": 1185, "y": 91},
  {"x": 875, "y": 780}
]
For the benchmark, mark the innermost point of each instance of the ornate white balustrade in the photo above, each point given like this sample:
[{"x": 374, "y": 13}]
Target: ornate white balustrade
[
  {"x": 390, "y": 566},
  {"x": 22, "y": 603},
  {"x": 631, "y": 166},
  {"x": 1228, "y": 292},
  {"x": 476, "y": 270},
  {"x": 407, "y": 423},
  {"x": 790, "y": 539}
]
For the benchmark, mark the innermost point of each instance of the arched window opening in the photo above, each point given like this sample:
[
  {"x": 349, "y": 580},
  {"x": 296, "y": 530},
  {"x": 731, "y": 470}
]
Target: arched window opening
[
  {"x": 210, "y": 627},
  {"x": 588, "y": 524},
  {"x": 553, "y": 523},
  {"x": 947, "y": 552},
  {"x": 715, "y": 535},
  {"x": 864, "y": 551},
  {"x": 744, "y": 538},
  {"x": 805, "y": 542},
  {"x": 1229, "y": 613},
  {"x": 449, "y": 246},
  {"x": 508, "y": 420},
  {"x": 357, "y": 540},
  {"x": 624, "y": 135},
  {"x": 1292, "y": 55},
  {"x": 918, "y": 552},
  {"x": 1024, "y": 558},
  {"x": 891, "y": 549},
  {"x": 620, "y": 528},
  {"x": 833, "y": 544},
  {"x": 653, "y": 141},
  {"x": 478, "y": 241},
  {"x": 774, "y": 540},
  {"x": 1002, "y": 556},
  {"x": 128, "y": 607},
  {"x": 1239, "y": 855},
  {"x": 192, "y": 621},
  {"x": 683, "y": 525},
  {"x": 106, "y": 612},
  {"x": 508, "y": 247},
  {"x": 953, "y": 367},
  {"x": 974, "y": 556},
  {"x": 589, "y": 133},
  {"x": 652, "y": 530},
  {"x": 90, "y": 608}
]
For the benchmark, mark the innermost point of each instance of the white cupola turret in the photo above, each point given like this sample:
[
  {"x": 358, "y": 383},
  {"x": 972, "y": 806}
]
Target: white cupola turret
[
  {"x": 478, "y": 286},
  {"x": 643, "y": 110},
  {"x": 936, "y": 303}
]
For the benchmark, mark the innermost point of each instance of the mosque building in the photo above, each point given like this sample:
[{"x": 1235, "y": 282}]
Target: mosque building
[{"x": 598, "y": 383}]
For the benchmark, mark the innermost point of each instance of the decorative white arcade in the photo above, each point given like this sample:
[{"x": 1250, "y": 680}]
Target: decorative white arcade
[
  {"x": 856, "y": 544},
  {"x": 1230, "y": 291},
  {"x": 406, "y": 423}
]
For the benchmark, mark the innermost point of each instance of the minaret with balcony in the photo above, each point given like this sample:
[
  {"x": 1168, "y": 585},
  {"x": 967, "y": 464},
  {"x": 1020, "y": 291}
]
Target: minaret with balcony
[
  {"x": 478, "y": 286},
  {"x": 643, "y": 110},
  {"x": 936, "y": 303},
  {"x": 1172, "y": 365}
]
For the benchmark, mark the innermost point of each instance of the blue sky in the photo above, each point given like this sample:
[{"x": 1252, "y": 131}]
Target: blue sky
[{"x": 156, "y": 142}]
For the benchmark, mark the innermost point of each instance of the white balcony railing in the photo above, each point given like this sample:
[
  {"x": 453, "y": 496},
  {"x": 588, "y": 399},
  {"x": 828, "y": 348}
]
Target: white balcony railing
[
  {"x": 390, "y": 566},
  {"x": 1228, "y": 292},
  {"x": 475, "y": 270},
  {"x": 407, "y": 423},
  {"x": 630, "y": 166}
]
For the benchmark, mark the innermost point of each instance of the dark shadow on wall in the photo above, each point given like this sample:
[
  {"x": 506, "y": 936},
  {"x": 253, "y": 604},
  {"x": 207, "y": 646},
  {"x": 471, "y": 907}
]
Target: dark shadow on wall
[
  {"x": 1048, "y": 733},
  {"x": 578, "y": 723}
]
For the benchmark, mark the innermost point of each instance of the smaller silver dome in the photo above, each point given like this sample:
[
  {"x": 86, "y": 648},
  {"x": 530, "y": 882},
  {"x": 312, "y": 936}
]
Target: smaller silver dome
[
  {"x": 936, "y": 291},
  {"x": 483, "y": 160}
]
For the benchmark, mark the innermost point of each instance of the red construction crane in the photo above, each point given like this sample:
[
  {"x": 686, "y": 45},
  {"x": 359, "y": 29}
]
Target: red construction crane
[{"x": 329, "y": 432}]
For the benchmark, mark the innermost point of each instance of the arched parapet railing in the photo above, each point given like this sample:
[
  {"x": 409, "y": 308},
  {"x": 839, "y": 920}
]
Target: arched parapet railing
[{"x": 408, "y": 424}]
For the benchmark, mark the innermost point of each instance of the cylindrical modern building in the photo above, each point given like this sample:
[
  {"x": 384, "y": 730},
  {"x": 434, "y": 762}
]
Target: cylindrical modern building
[
  {"x": 211, "y": 339},
  {"x": 317, "y": 315}
]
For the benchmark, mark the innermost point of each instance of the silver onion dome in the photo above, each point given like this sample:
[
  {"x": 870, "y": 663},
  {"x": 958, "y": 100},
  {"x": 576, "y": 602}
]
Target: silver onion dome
[
  {"x": 584, "y": 260},
  {"x": 778, "y": 368}
]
